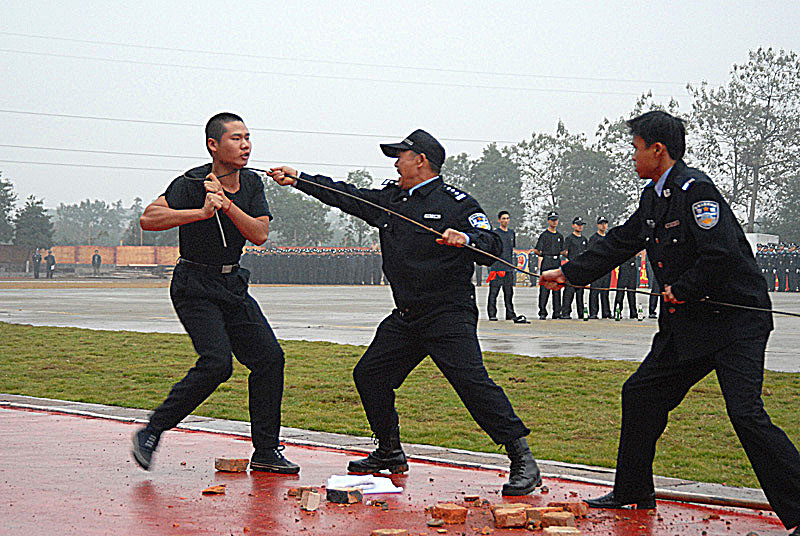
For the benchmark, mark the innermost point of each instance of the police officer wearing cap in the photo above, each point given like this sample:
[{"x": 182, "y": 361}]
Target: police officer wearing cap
[
  {"x": 598, "y": 292},
  {"x": 698, "y": 250},
  {"x": 549, "y": 247},
  {"x": 436, "y": 313},
  {"x": 574, "y": 244}
]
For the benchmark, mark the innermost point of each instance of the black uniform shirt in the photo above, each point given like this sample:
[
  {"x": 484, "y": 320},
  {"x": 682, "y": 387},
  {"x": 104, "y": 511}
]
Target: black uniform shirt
[
  {"x": 550, "y": 245},
  {"x": 422, "y": 272},
  {"x": 575, "y": 245},
  {"x": 200, "y": 241},
  {"x": 697, "y": 246},
  {"x": 509, "y": 239},
  {"x": 37, "y": 258}
]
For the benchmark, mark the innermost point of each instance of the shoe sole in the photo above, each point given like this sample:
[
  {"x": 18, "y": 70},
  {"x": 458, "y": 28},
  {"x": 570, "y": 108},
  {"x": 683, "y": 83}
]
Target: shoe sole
[
  {"x": 514, "y": 492},
  {"x": 266, "y": 468},
  {"x": 395, "y": 470}
]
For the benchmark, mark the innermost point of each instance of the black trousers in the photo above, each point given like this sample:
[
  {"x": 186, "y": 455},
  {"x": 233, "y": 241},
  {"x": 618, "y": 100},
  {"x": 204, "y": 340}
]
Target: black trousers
[
  {"x": 598, "y": 298},
  {"x": 566, "y": 303},
  {"x": 661, "y": 383},
  {"x": 619, "y": 297},
  {"x": 222, "y": 318},
  {"x": 507, "y": 284},
  {"x": 36, "y": 270},
  {"x": 654, "y": 300},
  {"x": 448, "y": 334}
]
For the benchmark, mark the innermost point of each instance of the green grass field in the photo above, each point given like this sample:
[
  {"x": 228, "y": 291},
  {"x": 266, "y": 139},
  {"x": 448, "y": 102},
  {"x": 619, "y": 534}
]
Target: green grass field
[{"x": 570, "y": 403}]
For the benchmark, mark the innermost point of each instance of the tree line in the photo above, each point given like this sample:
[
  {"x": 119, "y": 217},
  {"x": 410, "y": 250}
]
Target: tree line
[{"x": 744, "y": 133}]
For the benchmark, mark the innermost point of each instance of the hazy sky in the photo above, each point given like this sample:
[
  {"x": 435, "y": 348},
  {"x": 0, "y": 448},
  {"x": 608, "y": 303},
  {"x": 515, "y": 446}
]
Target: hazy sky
[{"x": 320, "y": 84}]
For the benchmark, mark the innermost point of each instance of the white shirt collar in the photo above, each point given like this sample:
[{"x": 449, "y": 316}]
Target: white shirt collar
[
  {"x": 411, "y": 190},
  {"x": 660, "y": 183}
]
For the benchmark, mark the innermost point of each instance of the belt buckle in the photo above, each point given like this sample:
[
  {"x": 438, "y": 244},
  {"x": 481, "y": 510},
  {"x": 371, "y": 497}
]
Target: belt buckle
[{"x": 227, "y": 268}]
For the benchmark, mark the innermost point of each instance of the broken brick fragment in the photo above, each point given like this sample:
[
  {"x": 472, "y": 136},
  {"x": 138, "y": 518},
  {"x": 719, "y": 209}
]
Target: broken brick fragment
[
  {"x": 298, "y": 491},
  {"x": 452, "y": 514},
  {"x": 561, "y": 530},
  {"x": 577, "y": 508},
  {"x": 435, "y": 522},
  {"x": 389, "y": 532},
  {"x": 214, "y": 490},
  {"x": 310, "y": 500},
  {"x": 345, "y": 495},
  {"x": 510, "y": 516},
  {"x": 535, "y": 514},
  {"x": 231, "y": 465}
]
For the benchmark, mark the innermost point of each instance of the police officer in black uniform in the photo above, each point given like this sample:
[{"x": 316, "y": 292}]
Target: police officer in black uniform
[
  {"x": 549, "y": 248},
  {"x": 50, "y": 260},
  {"x": 501, "y": 276},
  {"x": 627, "y": 281},
  {"x": 598, "y": 292},
  {"x": 698, "y": 250},
  {"x": 210, "y": 292},
  {"x": 574, "y": 244},
  {"x": 37, "y": 263},
  {"x": 97, "y": 260},
  {"x": 655, "y": 289},
  {"x": 436, "y": 313}
]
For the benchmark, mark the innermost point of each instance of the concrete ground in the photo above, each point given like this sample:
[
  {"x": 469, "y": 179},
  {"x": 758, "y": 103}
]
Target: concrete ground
[
  {"x": 67, "y": 470},
  {"x": 350, "y": 314}
]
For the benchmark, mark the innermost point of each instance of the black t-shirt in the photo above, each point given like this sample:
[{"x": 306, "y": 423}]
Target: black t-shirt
[
  {"x": 550, "y": 244},
  {"x": 575, "y": 245},
  {"x": 509, "y": 240},
  {"x": 200, "y": 241}
]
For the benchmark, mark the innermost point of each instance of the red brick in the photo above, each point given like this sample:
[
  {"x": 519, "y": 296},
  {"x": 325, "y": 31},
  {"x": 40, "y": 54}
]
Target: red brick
[
  {"x": 535, "y": 514},
  {"x": 452, "y": 514},
  {"x": 510, "y": 516},
  {"x": 558, "y": 519},
  {"x": 298, "y": 491},
  {"x": 231, "y": 465},
  {"x": 214, "y": 490}
]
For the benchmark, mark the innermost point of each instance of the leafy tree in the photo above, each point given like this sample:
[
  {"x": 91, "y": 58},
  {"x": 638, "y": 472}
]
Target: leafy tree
[
  {"x": 358, "y": 232},
  {"x": 748, "y": 129},
  {"x": 32, "y": 226},
  {"x": 88, "y": 222},
  {"x": 299, "y": 220},
  {"x": 7, "y": 200},
  {"x": 614, "y": 140}
]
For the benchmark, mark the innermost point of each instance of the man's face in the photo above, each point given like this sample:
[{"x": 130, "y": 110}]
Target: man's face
[
  {"x": 408, "y": 166},
  {"x": 644, "y": 158},
  {"x": 602, "y": 227},
  {"x": 577, "y": 227},
  {"x": 553, "y": 223},
  {"x": 234, "y": 147},
  {"x": 504, "y": 220}
]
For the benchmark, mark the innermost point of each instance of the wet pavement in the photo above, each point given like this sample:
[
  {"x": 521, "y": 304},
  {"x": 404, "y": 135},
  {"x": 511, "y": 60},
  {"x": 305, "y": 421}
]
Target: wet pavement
[
  {"x": 67, "y": 474},
  {"x": 347, "y": 314}
]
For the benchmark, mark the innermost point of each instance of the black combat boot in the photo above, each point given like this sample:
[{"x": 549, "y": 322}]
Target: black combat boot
[
  {"x": 524, "y": 474},
  {"x": 389, "y": 455}
]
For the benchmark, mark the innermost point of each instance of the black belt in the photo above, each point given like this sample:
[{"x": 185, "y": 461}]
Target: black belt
[{"x": 210, "y": 268}]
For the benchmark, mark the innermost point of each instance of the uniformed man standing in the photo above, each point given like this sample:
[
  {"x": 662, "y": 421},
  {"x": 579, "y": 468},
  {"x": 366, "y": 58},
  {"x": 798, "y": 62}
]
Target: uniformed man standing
[
  {"x": 501, "y": 276},
  {"x": 51, "y": 263},
  {"x": 549, "y": 248},
  {"x": 209, "y": 291},
  {"x": 698, "y": 250},
  {"x": 598, "y": 292},
  {"x": 627, "y": 281},
  {"x": 436, "y": 313},
  {"x": 574, "y": 244},
  {"x": 37, "y": 263},
  {"x": 97, "y": 260}
]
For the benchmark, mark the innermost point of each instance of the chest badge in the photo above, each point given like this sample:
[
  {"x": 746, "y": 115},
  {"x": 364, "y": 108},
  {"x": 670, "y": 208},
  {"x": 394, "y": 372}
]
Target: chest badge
[
  {"x": 706, "y": 214},
  {"x": 667, "y": 192},
  {"x": 651, "y": 224},
  {"x": 432, "y": 216}
]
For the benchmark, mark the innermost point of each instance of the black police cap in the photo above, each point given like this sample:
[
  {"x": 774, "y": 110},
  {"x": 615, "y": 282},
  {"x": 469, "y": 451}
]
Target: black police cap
[
  {"x": 420, "y": 142},
  {"x": 577, "y": 220},
  {"x": 601, "y": 219},
  {"x": 552, "y": 215}
]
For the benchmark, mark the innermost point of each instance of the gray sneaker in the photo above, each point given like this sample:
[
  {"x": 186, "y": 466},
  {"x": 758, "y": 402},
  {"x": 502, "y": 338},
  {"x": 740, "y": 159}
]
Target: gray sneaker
[{"x": 144, "y": 444}]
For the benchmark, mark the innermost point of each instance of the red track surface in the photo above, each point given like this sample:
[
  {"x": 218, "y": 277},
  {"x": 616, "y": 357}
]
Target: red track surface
[{"x": 64, "y": 474}]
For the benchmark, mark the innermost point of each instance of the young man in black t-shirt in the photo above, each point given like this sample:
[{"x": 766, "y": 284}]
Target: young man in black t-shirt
[
  {"x": 501, "y": 276},
  {"x": 549, "y": 247},
  {"x": 217, "y": 207}
]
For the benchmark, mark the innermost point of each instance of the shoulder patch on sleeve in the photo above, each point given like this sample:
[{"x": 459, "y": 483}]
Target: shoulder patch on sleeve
[
  {"x": 480, "y": 221},
  {"x": 457, "y": 194},
  {"x": 706, "y": 213},
  {"x": 389, "y": 182}
]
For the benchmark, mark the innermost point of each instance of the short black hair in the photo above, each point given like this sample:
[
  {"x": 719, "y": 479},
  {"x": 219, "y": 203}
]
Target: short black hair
[
  {"x": 215, "y": 127},
  {"x": 658, "y": 126},
  {"x": 502, "y": 213}
]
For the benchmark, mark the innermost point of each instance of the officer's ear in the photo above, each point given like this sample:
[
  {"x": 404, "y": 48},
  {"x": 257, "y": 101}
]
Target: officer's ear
[{"x": 422, "y": 158}]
